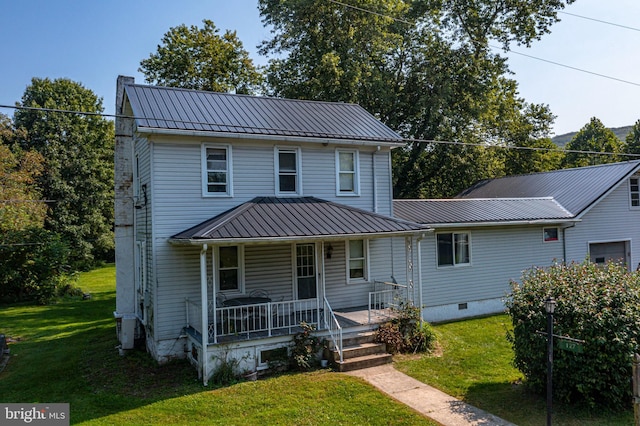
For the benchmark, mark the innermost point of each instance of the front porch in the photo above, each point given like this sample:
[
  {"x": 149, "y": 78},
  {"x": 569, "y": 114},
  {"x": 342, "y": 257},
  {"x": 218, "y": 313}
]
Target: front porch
[{"x": 256, "y": 321}]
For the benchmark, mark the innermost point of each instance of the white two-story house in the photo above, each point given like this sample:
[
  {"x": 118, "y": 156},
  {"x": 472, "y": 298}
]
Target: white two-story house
[{"x": 238, "y": 217}]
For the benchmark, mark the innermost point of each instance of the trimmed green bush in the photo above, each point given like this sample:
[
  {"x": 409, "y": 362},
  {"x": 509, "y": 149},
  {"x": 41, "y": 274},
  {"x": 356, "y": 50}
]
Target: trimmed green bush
[
  {"x": 404, "y": 333},
  {"x": 597, "y": 304}
]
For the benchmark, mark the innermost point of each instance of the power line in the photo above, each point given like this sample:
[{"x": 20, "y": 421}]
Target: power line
[
  {"x": 405, "y": 140},
  {"x": 600, "y": 20},
  {"x": 519, "y": 53}
]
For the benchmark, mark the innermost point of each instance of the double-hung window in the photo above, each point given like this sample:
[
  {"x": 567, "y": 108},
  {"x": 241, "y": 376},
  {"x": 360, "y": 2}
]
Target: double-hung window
[
  {"x": 288, "y": 171},
  {"x": 357, "y": 260},
  {"x": 454, "y": 249},
  {"x": 347, "y": 179},
  {"x": 634, "y": 190},
  {"x": 216, "y": 171},
  {"x": 230, "y": 277}
]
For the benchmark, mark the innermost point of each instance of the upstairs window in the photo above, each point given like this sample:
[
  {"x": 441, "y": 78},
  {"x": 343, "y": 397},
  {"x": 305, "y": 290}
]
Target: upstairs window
[
  {"x": 216, "y": 173},
  {"x": 287, "y": 171},
  {"x": 454, "y": 249},
  {"x": 347, "y": 179},
  {"x": 634, "y": 190}
]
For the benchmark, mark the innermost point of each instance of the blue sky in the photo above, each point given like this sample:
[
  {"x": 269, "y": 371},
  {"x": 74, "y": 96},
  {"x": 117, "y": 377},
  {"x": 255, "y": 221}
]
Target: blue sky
[{"x": 92, "y": 42}]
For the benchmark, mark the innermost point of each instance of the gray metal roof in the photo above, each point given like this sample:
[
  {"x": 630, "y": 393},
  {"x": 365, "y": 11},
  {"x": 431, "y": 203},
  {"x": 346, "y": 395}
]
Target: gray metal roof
[
  {"x": 575, "y": 189},
  {"x": 476, "y": 211},
  {"x": 193, "y": 110},
  {"x": 270, "y": 218}
]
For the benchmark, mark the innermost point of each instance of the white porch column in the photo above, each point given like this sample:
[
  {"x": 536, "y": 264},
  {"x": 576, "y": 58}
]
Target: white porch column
[{"x": 204, "y": 311}]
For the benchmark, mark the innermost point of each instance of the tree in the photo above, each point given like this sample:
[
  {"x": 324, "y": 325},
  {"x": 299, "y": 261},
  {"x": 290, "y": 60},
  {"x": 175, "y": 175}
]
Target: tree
[
  {"x": 633, "y": 140},
  {"x": 20, "y": 203},
  {"x": 393, "y": 58},
  {"x": 594, "y": 137},
  {"x": 194, "y": 58},
  {"x": 78, "y": 164}
]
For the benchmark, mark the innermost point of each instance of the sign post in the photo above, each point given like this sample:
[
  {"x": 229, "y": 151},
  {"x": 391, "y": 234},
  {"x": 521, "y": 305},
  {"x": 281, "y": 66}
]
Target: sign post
[{"x": 549, "y": 306}]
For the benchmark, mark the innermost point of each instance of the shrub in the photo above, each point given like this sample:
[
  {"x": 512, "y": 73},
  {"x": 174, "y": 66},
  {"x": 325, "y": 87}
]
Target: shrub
[
  {"x": 597, "y": 304},
  {"x": 33, "y": 265},
  {"x": 404, "y": 333},
  {"x": 305, "y": 347}
]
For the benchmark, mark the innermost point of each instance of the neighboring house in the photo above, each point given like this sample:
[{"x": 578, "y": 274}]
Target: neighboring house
[
  {"x": 238, "y": 217},
  {"x": 493, "y": 231}
]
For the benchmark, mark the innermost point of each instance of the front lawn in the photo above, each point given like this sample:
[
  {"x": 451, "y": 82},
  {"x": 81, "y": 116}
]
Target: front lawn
[
  {"x": 473, "y": 363},
  {"x": 66, "y": 352}
]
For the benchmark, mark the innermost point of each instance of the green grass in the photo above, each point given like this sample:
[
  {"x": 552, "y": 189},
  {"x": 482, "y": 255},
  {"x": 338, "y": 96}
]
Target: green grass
[
  {"x": 473, "y": 363},
  {"x": 66, "y": 352}
]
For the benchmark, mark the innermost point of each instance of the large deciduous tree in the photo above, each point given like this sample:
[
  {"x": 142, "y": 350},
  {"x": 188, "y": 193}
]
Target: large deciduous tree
[
  {"x": 21, "y": 206},
  {"x": 78, "y": 163},
  {"x": 425, "y": 69},
  {"x": 201, "y": 58},
  {"x": 633, "y": 140},
  {"x": 593, "y": 138}
]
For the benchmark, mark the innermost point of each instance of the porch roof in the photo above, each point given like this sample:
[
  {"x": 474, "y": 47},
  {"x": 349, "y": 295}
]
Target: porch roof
[{"x": 304, "y": 218}]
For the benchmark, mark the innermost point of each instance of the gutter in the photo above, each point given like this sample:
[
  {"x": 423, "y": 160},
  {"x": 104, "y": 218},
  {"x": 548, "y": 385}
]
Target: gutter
[
  {"x": 267, "y": 240},
  {"x": 498, "y": 223},
  {"x": 274, "y": 138}
]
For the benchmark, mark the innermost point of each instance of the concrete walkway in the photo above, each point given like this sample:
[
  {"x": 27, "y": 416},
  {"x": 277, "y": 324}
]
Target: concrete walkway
[{"x": 425, "y": 399}]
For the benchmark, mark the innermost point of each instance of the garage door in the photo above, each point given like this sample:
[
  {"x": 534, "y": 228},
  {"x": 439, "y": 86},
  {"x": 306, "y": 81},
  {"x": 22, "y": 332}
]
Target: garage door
[{"x": 604, "y": 252}]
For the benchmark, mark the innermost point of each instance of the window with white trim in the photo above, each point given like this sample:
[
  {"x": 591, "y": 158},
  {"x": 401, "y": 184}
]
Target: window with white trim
[
  {"x": 216, "y": 171},
  {"x": 357, "y": 264},
  {"x": 634, "y": 190},
  {"x": 454, "y": 249},
  {"x": 287, "y": 162},
  {"x": 347, "y": 176},
  {"x": 230, "y": 271}
]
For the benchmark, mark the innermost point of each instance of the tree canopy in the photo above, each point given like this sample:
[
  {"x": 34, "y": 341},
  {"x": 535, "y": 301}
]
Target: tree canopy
[
  {"x": 633, "y": 140},
  {"x": 21, "y": 206},
  {"x": 78, "y": 163},
  {"x": 201, "y": 58},
  {"x": 594, "y": 137},
  {"x": 425, "y": 69}
]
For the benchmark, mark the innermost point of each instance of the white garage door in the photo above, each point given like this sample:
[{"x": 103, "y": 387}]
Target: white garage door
[{"x": 604, "y": 252}]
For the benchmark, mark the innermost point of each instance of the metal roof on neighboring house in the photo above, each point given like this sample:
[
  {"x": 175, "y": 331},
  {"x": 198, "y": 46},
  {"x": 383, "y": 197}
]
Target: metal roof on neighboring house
[
  {"x": 574, "y": 189},
  {"x": 179, "y": 109},
  {"x": 272, "y": 219},
  {"x": 480, "y": 211}
]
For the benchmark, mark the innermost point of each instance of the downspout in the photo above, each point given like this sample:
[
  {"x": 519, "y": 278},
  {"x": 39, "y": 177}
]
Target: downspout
[
  {"x": 564, "y": 242},
  {"x": 204, "y": 312},
  {"x": 375, "y": 179},
  {"x": 419, "y": 242}
]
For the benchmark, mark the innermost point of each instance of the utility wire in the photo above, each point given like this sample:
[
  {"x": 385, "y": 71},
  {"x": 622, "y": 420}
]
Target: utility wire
[
  {"x": 600, "y": 20},
  {"x": 405, "y": 140}
]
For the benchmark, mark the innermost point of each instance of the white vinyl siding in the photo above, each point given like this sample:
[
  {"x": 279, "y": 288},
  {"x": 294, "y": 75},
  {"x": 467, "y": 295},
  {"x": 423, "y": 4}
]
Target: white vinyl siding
[
  {"x": 500, "y": 254},
  {"x": 347, "y": 172},
  {"x": 217, "y": 172}
]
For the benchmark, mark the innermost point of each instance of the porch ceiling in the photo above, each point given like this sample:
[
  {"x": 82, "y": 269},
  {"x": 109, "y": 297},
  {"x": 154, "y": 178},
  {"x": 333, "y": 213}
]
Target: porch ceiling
[{"x": 302, "y": 218}]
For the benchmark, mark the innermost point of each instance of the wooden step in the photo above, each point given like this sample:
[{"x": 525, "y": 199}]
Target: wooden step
[{"x": 364, "y": 362}]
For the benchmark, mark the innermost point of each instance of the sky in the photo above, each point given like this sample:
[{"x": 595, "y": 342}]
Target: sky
[{"x": 94, "y": 41}]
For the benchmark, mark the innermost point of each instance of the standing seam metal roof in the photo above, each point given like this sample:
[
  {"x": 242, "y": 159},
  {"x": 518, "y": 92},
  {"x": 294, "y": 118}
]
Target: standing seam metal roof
[
  {"x": 575, "y": 189},
  {"x": 304, "y": 217},
  {"x": 468, "y": 211},
  {"x": 195, "y": 110}
]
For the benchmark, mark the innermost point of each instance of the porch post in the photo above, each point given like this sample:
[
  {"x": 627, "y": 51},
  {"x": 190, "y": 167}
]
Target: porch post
[
  {"x": 320, "y": 283},
  {"x": 408, "y": 253},
  {"x": 204, "y": 311}
]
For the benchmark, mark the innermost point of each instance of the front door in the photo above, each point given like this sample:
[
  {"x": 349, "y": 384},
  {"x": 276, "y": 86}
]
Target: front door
[{"x": 306, "y": 271}]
